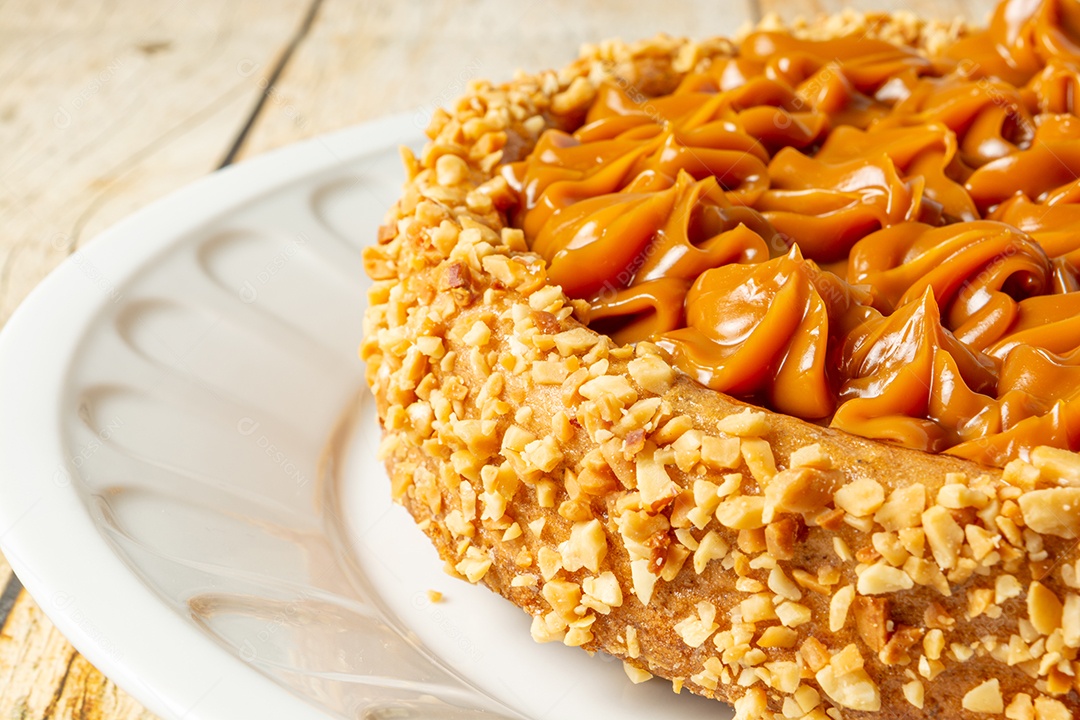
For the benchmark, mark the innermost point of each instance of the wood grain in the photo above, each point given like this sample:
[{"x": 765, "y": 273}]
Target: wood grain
[
  {"x": 974, "y": 10},
  {"x": 393, "y": 56},
  {"x": 104, "y": 109},
  {"x": 105, "y": 106}
]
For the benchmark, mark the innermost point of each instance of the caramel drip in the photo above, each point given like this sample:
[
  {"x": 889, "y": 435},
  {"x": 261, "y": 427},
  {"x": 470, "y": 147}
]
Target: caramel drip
[{"x": 847, "y": 231}]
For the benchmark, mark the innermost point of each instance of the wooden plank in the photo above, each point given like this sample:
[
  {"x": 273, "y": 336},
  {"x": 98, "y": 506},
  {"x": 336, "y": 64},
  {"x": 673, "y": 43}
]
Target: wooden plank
[
  {"x": 366, "y": 60},
  {"x": 103, "y": 108},
  {"x": 41, "y": 675},
  {"x": 975, "y": 11}
]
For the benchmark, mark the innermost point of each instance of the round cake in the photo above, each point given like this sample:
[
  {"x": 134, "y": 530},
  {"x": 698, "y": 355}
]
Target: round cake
[{"x": 756, "y": 363}]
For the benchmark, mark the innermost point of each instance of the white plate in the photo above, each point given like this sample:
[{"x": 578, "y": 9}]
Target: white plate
[{"x": 189, "y": 484}]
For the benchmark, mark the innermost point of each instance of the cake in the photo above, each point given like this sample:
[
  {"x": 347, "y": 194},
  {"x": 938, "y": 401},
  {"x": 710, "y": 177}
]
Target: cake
[{"x": 755, "y": 363}]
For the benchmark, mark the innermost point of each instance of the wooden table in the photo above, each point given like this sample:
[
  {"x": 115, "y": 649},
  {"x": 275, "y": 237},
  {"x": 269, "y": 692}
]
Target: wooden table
[{"x": 107, "y": 106}]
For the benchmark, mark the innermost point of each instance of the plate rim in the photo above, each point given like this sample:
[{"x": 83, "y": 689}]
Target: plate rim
[{"x": 87, "y": 593}]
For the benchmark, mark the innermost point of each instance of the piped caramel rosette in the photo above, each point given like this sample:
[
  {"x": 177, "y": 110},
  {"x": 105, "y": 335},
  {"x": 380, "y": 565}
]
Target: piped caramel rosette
[{"x": 759, "y": 330}]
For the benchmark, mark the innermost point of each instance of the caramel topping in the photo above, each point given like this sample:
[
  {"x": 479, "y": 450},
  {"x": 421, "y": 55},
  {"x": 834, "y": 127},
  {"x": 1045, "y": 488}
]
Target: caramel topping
[{"x": 847, "y": 231}]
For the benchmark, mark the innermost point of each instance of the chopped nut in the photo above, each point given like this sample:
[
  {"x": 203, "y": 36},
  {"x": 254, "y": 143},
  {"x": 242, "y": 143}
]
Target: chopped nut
[
  {"x": 934, "y": 644},
  {"x": 643, "y": 579},
  {"x": 831, "y": 520},
  {"x": 847, "y": 660},
  {"x": 914, "y": 693},
  {"x": 550, "y": 562},
  {"x": 1070, "y": 621},
  {"x": 548, "y": 628},
  {"x": 752, "y": 542},
  {"x": 799, "y": 490},
  {"x": 563, "y": 596},
  {"x": 872, "y": 621},
  {"x": 985, "y": 698},
  {"x": 633, "y": 648},
  {"x": 814, "y": 653},
  {"x": 925, "y": 572},
  {"x": 543, "y": 455},
  {"x": 1055, "y": 511},
  {"x": 576, "y": 340},
  {"x": 1020, "y": 708},
  {"x": 1020, "y": 474},
  {"x": 903, "y": 509},
  {"x": 855, "y": 691},
  {"x": 1044, "y": 608},
  {"x": 777, "y": 636},
  {"x": 757, "y": 608},
  {"x": 676, "y": 558},
  {"x": 781, "y": 538},
  {"x": 759, "y": 458},
  {"x": 451, "y": 170},
  {"x": 913, "y": 540},
  {"x": 651, "y": 373},
  {"x": 783, "y": 675},
  {"x": 1050, "y": 709},
  {"x": 860, "y": 497},
  {"x": 694, "y": 631},
  {"x": 747, "y": 424},
  {"x": 545, "y": 494},
  {"x": 842, "y": 550},
  {"x": 957, "y": 496},
  {"x": 577, "y": 636},
  {"x": 549, "y": 372},
  {"x": 903, "y": 639},
  {"x": 653, "y": 482},
  {"x": 811, "y": 456},
  {"x": 536, "y": 527},
  {"x": 1006, "y": 587},
  {"x": 609, "y": 387},
  {"x": 881, "y": 578},
  {"x": 474, "y": 565},
  {"x": 807, "y": 697},
  {"x": 962, "y": 653},
  {"x": 741, "y": 513},
  {"x": 838, "y": 607},
  {"x": 636, "y": 674},
  {"x": 687, "y": 448},
  {"x": 888, "y": 545},
  {"x": 596, "y": 482},
  {"x": 944, "y": 535},
  {"x": 793, "y": 614},
  {"x": 782, "y": 585},
  {"x": 705, "y": 502},
  {"x": 812, "y": 582},
  {"x": 982, "y": 541},
  {"x": 1057, "y": 465},
  {"x": 721, "y": 453},
  {"x": 753, "y": 704},
  {"x": 711, "y": 547},
  {"x": 672, "y": 430},
  {"x": 586, "y": 547},
  {"x": 478, "y": 335}
]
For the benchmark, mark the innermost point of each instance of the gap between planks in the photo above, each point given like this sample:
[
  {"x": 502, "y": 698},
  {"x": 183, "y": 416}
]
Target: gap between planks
[{"x": 295, "y": 42}]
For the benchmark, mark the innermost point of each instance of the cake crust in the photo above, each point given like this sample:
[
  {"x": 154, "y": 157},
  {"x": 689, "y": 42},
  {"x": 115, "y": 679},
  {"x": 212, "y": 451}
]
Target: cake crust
[{"x": 788, "y": 569}]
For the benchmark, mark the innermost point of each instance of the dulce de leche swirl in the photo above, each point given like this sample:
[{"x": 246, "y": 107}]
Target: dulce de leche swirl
[{"x": 847, "y": 231}]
